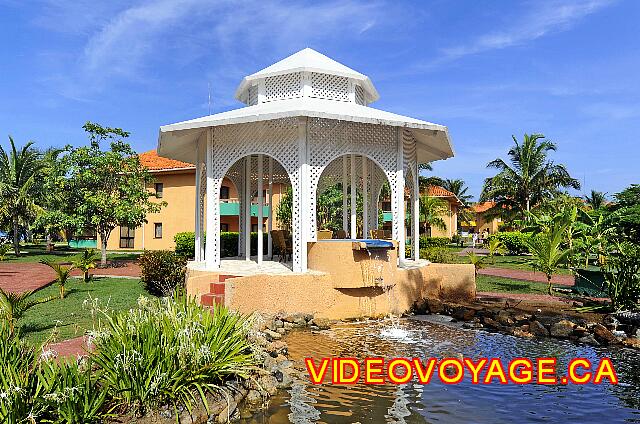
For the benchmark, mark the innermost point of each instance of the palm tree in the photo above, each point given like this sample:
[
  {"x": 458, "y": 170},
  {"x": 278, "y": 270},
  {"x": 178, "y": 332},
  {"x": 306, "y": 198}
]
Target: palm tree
[
  {"x": 63, "y": 272},
  {"x": 431, "y": 211},
  {"x": 86, "y": 261},
  {"x": 528, "y": 178},
  {"x": 548, "y": 251},
  {"x": 459, "y": 188},
  {"x": 19, "y": 171},
  {"x": 477, "y": 261},
  {"x": 496, "y": 247},
  {"x": 14, "y": 305},
  {"x": 596, "y": 199}
]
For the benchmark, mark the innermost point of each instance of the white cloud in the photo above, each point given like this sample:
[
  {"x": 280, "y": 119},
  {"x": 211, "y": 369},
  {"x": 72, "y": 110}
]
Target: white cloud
[{"x": 545, "y": 17}]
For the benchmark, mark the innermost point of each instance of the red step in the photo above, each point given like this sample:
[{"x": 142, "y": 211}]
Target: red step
[{"x": 216, "y": 294}]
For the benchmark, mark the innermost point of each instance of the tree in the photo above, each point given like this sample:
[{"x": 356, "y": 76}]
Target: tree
[
  {"x": 626, "y": 213},
  {"x": 63, "y": 273},
  {"x": 548, "y": 251},
  {"x": 431, "y": 211},
  {"x": 496, "y": 247},
  {"x": 528, "y": 178},
  {"x": 20, "y": 171},
  {"x": 596, "y": 199},
  {"x": 284, "y": 212},
  {"x": 86, "y": 261},
  {"x": 459, "y": 188},
  {"x": 110, "y": 184},
  {"x": 14, "y": 305},
  {"x": 477, "y": 261}
]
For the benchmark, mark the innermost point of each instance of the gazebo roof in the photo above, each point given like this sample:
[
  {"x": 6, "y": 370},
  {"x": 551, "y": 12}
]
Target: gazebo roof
[
  {"x": 176, "y": 140},
  {"x": 309, "y": 60}
]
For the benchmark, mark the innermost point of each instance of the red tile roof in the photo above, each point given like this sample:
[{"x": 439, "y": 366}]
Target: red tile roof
[
  {"x": 154, "y": 162},
  {"x": 437, "y": 191},
  {"x": 482, "y": 207}
]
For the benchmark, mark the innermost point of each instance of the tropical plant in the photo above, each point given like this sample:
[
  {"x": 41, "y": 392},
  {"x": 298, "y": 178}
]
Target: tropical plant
[
  {"x": 596, "y": 199},
  {"x": 284, "y": 210},
  {"x": 548, "y": 251},
  {"x": 19, "y": 173},
  {"x": 528, "y": 178},
  {"x": 63, "y": 273},
  {"x": 459, "y": 188},
  {"x": 440, "y": 255},
  {"x": 477, "y": 261},
  {"x": 432, "y": 209},
  {"x": 170, "y": 352},
  {"x": 622, "y": 271},
  {"x": 4, "y": 249},
  {"x": 626, "y": 214},
  {"x": 162, "y": 271},
  {"x": 111, "y": 184},
  {"x": 85, "y": 262},
  {"x": 496, "y": 247},
  {"x": 14, "y": 305}
]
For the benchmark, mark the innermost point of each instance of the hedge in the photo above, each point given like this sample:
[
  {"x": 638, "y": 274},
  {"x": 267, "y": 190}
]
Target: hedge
[
  {"x": 186, "y": 242},
  {"x": 514, "y": 241},
  {"x": 162, "y": 271},
  {"x": 426, "y": 242}
]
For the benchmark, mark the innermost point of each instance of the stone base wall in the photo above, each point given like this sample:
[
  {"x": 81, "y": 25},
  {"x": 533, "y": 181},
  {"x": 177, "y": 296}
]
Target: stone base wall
[{"x": 317, "y": 294}]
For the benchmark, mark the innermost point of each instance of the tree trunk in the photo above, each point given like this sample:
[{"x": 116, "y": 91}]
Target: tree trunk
[
  {"x": 104, "y": 238},
  {"x": 549, "y": 285},
  {"x": 16, "y": 237}
]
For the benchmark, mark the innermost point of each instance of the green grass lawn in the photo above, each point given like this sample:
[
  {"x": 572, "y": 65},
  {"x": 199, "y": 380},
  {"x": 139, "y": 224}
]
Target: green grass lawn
[
  {"x": 61, "y": 253},
  {"x": 71, "y": 316},
  {"x": 508, "y": 261},
  {"x": 487, "y": 283}
]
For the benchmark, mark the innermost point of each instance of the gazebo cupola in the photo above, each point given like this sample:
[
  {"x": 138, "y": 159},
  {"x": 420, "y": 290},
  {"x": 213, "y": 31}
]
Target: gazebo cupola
[
  {"x": 306, "y": 122},
  {"x": 306, "y": 74}
]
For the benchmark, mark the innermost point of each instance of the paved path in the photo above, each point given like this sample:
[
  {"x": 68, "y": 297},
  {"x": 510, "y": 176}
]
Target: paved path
[
  {"x": 524, "y": 275},
  {"x": 543, "y": 298},
  {"x": 70, "y": 348},
  {"x": 22, "y": 276},
  {"x": 124, "y": 269}
]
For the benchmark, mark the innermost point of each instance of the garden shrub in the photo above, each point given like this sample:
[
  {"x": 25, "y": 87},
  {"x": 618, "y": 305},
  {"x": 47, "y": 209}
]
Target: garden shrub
[
  {"x": 170, "y": 352},
  {"x": 514, "y": 241},
  {"x": 441, "y": 255},
  {"x": 186, "y": 242},
  {"x": 162, "y": 271},
  {"x": 426, "y": 242}
]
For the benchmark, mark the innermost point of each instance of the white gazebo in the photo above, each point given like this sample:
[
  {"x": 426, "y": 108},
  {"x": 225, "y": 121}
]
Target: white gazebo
[{"x": 307, "y": 122}]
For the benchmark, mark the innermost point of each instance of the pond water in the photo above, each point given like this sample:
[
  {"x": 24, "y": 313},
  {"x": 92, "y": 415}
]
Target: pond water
[{"x": 462, "y": 403}]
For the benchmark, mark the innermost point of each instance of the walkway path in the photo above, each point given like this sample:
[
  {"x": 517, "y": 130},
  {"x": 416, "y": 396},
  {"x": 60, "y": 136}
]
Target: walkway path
[
  {"x": 524, "y": 275},
  {"x": 22, "y": 276},
  {"x": 123, "y": 269},
  {"x": 543, "y": 298},
  {"x": 70, "y": 348}
]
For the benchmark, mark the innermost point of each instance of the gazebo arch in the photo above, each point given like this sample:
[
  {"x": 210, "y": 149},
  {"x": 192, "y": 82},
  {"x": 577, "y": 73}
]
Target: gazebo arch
[{"x": 304, "y": 112}]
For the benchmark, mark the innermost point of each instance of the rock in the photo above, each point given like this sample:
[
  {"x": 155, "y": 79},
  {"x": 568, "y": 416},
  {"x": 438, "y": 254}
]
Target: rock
[
  {"x": 521, "y": 333},
  {"x": 580, "y": 331},
  {"x": 537, "y": 329},
  {"x": 632, "y": 342},
  {"x": 272, "y": 335},
  {"x": 488, "y": 322},
  {"x": 288, "y": 325},
  {"x": 254, "y": 397},
  {"x": 277, "y": 347},
  {"x": 589, "y": 339},
  {"x": 472, "y": 325},
  {"x": 611, "y": 322},
  {"x": 268, "y": 384},
  {"x": 603, "y": 335},
  {"x": 619, "y": 334},
  {"x": 435, "y": 306},
  {"x": 463, "y": 314},
  {"x": 561, "y": 329},
  {"x": 300, "y": 321},
  {"x": 504, "y": 318},
  {"x": 278, "y": 323},
  {"x": 281, "y": 330},
  {"x": 522, "y": 318},
  {"x": 321, "y": 323},
  {"x": 525, "y": 328}
]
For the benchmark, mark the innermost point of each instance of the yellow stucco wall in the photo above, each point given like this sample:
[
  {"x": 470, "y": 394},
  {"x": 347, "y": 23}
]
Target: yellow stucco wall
[{"x": 450, "y": 219}]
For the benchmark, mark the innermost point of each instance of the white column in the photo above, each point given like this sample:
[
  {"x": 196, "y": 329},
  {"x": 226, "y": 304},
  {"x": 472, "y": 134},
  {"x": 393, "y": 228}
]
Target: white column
[
  {"x": 303, "y": 197},
  {"x": 270, "y": 217},
  {"x": 354, "y": 227},
  {"x": 247, "y": 208},
  {"x": 212, "y": 255},
  {"x": 345, "y": 214},
  {"x": 365, "y": 203},
  {"x": 415, "y": 213},
  {"x": 260, "y": 212},
  {"x": 198, "y": 224},
  {"x": 400, "y": 230}
]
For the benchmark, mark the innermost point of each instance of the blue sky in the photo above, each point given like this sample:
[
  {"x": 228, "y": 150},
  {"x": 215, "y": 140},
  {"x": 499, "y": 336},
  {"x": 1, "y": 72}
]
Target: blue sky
[{"x": 487, "y": 70}]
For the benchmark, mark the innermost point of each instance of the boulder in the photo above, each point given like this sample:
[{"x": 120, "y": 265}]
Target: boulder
[
  {"x": 272, "y": 335},
  {"x": 519, "y": 332},
  {"x": 504, "y": 318},
  {"x": 603, "y": 335},
  {"x": 561, "y": 329},
  {"x": 537, "y": 329},
  {"x": 589, "y": 339},
  {"x": 435, "y": 306},
  {"x": 632, "y": 342},
  {"x": 463, "y": 314},
  {"x": 321, "y": 323},
  {"x": 488, "y": 322}
]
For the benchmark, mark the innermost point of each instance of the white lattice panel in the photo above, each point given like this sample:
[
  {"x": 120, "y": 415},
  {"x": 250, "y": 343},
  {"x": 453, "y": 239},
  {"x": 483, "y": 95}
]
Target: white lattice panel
[
  {"x": 276, "y": 138},
  {"x": 286, "y": 86},
  {"x": 329, "y": 139},
  {"x": 253, "y": 95},
  {"x": 409, "y": 148},
  {"x": 333, "y": 87},
  {"x": 359, "y": 92}
]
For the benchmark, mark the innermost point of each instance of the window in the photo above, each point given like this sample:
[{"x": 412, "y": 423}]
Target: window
[
  {"x": 159, "y": 190},
  {"x": 157, "y": 230},
  {"x": 224, "y": 227},
  {"x": 254, "y": 228},
  {"x": 386, "y": 206},
  {"x": 224, "y": 193},
  {"x": 127, "y": 237}
]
